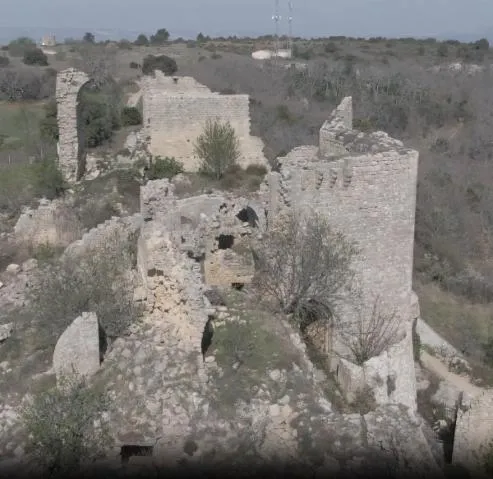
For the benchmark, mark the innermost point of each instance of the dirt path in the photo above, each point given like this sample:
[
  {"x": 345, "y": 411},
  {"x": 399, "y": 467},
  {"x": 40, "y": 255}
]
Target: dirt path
[{"x": 460, "y": 382}]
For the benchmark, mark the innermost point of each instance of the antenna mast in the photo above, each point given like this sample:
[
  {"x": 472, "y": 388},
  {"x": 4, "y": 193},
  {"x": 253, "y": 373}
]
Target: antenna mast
[
  {"x": 290, "y": 25},
  {"x": 276, "y": 19}
]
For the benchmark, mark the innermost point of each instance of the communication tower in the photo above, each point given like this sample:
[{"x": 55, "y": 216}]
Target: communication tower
[
  {"x": 276, "y": 17},
  {"x": 290, "y": 26}
]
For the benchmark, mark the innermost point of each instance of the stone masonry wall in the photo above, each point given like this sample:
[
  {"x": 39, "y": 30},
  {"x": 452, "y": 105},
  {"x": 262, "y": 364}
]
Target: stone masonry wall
[
  {"x": 114, "y": 228},
  {"x": 174, "y": 115},
  {"x": 369, "y": 197},
  {"x": 70, "y": 155},
  {"x": 473, "y": 432},
  {"x": 365, "y": 184}
]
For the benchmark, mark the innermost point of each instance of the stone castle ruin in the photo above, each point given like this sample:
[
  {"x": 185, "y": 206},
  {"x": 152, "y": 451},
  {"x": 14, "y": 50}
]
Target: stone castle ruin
[
  {"x": 363, "y": 183},
  {"x": 175, "y": 110}
]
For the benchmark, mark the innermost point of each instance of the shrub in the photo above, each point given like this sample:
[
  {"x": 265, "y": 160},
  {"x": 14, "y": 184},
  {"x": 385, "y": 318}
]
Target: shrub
[
  {"x": 4, "y": 61},
  {"x": 368, "y": 337},
  {"x": 21, "y": 183},
  {"x": 35, "y": 56},
  {"x": 303, "y": 265},
  {"x": 18, "y": 47},
  {"x": 163, "y": 168},
  {"x": 89, "y": 37},
  {"x": 442, "y": 50},
  {"x": 65, "y": 426},
  {"x": 162, "y": 63},
  {"x": 60, "y": 56},
  {"x": 142, "y": 40},
  {"x": 94, "y": 281},
  {"x": 99, "y": 114},
  {"x": 49, "y": 124},
  {"x": 160, "y": 37},
  {"x": 218, "y": 148},
  {"x": 49, "y": 180},
  {"x": 131, "y": 116},
  {"x": 134, "y": 65}
]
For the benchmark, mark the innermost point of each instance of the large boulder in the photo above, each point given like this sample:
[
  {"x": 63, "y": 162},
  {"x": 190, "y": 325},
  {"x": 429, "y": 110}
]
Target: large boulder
[{"x": 77, "y": 349}]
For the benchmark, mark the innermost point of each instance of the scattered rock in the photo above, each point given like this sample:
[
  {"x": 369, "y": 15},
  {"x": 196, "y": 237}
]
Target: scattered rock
[
  {"x": 13, "y": 268},
  {"x": 78, "y": 347},
  {"x": 140, "y": 294},
  {"x": 30, "y": 264},
  {"x": 6, "y": 331}
]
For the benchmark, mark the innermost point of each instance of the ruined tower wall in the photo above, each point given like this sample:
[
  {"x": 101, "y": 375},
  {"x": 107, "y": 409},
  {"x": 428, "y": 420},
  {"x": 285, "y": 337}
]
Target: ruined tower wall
[
  {"x": 70, "y": 154},
  {"x": 175, "y": 115},
  {"x": 365, "y": 185},
  {"x": 371, "y": 198}
]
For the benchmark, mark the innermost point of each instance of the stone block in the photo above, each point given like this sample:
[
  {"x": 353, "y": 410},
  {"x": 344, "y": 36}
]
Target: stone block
[{"x": 77, "y": 349}]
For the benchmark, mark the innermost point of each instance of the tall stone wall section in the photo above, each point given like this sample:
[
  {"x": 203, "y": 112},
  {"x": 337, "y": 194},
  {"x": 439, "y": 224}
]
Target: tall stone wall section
[
  {"x": 365, "y": 184},
  {"x": 175, "y": 110},
  {"x": 172, "y": 281},
  {"x": 474, "y": 432},
  {"x": 70, "y": 151}
]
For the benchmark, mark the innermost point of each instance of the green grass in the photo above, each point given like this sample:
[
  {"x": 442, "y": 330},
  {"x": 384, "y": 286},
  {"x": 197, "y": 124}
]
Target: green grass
[
  {"x": 19, "y": 122},
  {"x": 464, "y": 324},
  {"x": 247, "y": 349}
]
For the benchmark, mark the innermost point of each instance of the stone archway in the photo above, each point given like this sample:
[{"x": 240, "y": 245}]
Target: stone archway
[{"x": 71, "y": 154}]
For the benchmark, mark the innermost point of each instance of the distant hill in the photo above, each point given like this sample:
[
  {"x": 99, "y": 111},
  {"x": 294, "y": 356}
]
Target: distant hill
[
  {"x": 10, "y": 33},
  {"x": 36, "y": 33}
]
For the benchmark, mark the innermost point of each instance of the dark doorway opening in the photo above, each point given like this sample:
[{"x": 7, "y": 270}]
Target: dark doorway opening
[
  {"x": 225, "y": 241},
  {"x": 248, "y": 215},
  {"x": 207, "y": 335},
  {"x": 129, "y": 450}
]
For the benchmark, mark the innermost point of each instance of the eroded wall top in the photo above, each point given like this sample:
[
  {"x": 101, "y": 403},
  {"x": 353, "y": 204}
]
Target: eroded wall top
[{"x": 175, "y": 110}]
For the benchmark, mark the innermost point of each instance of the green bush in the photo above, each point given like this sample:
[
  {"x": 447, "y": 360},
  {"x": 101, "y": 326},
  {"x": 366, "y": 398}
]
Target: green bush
[
  {"x": 4, "y": 61},
  {"x": 20, "y": 184},
  {"x": 35, "y": 56},
  {"x": 94, "y": 281},
  {"x": 442, "y": 50},
  {"x": 142, "y": 40},
  {"x": 162, "y": 63},
  {"x": 218, "y": 148},
  {"x": 163, "y": 168},
  {"x": 49, "y": 124},
  {"x": 60, "y": 56},
  {"x": 131, "y": 116},
  {"x": 62, "y": 424},
  {"x": 160, "y": 37},
  {"x": 18, "y": 47},
  {"x": 99, "y": 114}
]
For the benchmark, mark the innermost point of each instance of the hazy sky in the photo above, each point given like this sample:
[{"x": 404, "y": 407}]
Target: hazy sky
[{"x": 311, "y": 17}]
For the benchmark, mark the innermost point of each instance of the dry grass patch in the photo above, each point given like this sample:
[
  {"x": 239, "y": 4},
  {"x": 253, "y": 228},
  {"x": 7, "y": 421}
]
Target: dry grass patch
[{"x": 466, "y": 325}]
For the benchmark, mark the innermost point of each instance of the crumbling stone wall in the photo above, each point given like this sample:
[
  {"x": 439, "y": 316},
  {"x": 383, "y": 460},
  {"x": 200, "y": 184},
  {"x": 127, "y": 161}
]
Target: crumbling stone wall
[
  {"x": 473, "y": 431},
  {"x": 365, "y": 184},
  {"x": 71, "y": 155},
  {"x": 124, "y": 228},
  {"x": 175, "y": 110},
  {"x": 195, "y": 226},
  {"x": 53, "y": 223}
]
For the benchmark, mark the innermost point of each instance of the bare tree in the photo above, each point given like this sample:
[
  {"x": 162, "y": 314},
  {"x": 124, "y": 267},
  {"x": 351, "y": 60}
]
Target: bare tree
[
  {"x": 98, "y": 62},
  {"x": 304, "y": 265},
  {"x": 368, "y": 337}
]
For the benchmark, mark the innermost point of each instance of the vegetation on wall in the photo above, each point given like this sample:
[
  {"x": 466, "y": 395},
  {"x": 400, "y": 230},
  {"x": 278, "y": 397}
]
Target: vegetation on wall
[
  {"x": 218, "y": 148},
  {"x": 162, "y": 63}
]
